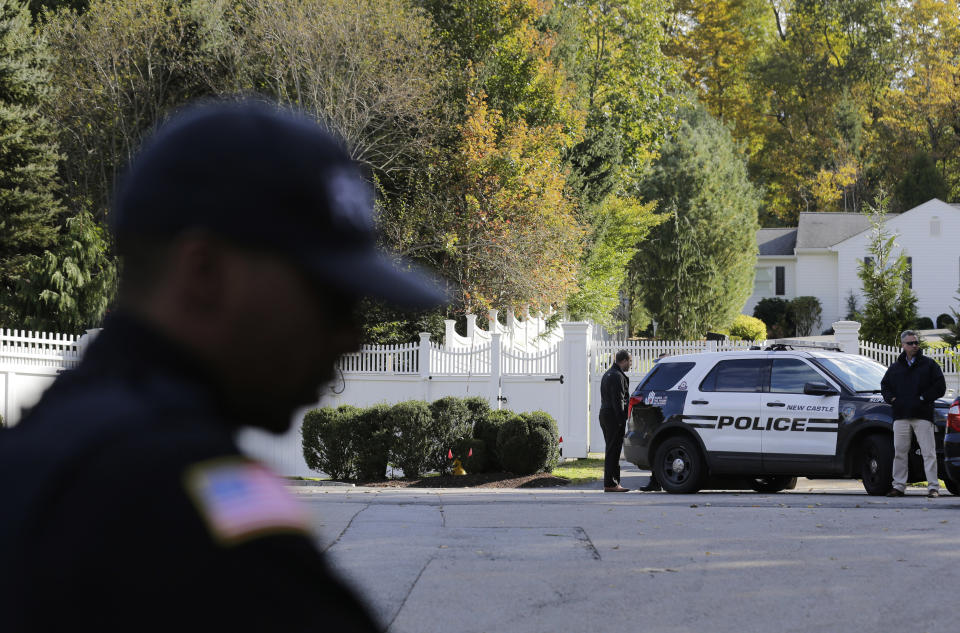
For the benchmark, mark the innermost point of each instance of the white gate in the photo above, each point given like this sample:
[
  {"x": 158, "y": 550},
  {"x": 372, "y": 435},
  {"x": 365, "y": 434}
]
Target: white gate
[{"x": 531, "y": 381}]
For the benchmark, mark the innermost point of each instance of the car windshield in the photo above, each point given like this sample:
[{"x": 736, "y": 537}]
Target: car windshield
[{"x": 860, "y": 374}]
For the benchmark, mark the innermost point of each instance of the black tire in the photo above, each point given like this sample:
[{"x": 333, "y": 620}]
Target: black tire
[
  {"x": 952, "y": 486},
  {"x": 774, "y": 483},
  {"x": 679, "y": 466},
  {"x": 876, "y": 464}
]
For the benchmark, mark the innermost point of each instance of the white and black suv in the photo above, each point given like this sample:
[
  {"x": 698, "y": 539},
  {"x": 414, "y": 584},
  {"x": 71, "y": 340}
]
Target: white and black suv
[{"x": 762, "y": 418}]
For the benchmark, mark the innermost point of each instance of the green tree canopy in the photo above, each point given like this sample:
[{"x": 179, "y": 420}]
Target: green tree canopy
[{"x": 696, "y": 270}]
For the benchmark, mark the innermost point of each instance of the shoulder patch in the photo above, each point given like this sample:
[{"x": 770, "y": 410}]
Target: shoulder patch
[{"x": 240, "y": 500}]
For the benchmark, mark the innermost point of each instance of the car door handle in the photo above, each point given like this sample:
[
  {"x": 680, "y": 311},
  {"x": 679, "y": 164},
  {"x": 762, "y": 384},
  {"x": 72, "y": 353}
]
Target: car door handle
[
  {"x": 699, "y": 402},
  {"x": 776, "y": 404}
]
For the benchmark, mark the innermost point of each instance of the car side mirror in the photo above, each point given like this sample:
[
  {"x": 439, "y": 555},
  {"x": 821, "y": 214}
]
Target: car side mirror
[{"x": 819, "y": 389}]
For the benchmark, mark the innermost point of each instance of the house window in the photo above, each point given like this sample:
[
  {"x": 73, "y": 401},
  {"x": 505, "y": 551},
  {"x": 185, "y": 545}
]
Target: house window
[
  {"x": 868, "y": 262},
  {"x": 781, "y": 281},
  {"x": 910, "y": 273},
  {"x": 934, "y": 226},
  {"x": 763, "y": 282}
]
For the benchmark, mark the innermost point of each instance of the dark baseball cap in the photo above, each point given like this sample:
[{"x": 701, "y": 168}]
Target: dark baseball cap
[{"x": 269, "y": 178}]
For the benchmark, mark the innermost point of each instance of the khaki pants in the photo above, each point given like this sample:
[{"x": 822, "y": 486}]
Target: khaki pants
[{"x": 923, "y": 429}]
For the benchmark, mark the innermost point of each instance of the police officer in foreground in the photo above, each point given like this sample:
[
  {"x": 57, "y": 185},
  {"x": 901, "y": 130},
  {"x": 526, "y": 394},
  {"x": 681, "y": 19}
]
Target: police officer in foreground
[
  {"x": 911, "y": 386},
  {"x": 614, "y": 398},
  {"x": 247, "y": 240}
]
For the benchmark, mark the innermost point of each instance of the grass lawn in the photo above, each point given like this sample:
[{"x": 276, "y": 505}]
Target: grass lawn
[{"x": 581, "y": 471}]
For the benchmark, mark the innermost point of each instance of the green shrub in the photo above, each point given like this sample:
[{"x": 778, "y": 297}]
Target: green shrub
[
  {"x": 486, "y": 429},
  {"x": 471, "y": 463},
  {"x": 327, "y": 436},
  {"x": 451, "y": 423},
  {"x": 373, "y": 437},
  {"x": 945, "y": 321},
  {"x": 923, "y": 323},
  {"x": 777, "y": 316},
  {"x": 806, "y": 313},
  {"x": 545, "y": 421},
  {"x": 748, "y": 328},
  {"x": 524, "y": 445},
  {"x": 415, "y": 448},
  {"x": 479, "y": 408},
  {"x": 526, "y": 454}
]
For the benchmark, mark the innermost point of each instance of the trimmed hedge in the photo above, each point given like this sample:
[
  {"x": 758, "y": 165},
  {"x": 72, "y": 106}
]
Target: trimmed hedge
[
  {"x": 373, "y": 439},
  {"x": 486, "y": 429},
  {"x": 415, "y": 447},
  {"x": 328, "y": 440},
  {"x": 352, "y": 443},
  {"x": 452, "y": 422},
  {"x": 527, "y": 443}
]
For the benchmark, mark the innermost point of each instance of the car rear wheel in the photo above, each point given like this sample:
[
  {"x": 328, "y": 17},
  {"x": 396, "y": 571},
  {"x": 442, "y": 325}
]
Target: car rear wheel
[
  {"x": 679, "y": 465},
  {"x": 876, "y": 467},
  {"x": 774, "y": 483}
]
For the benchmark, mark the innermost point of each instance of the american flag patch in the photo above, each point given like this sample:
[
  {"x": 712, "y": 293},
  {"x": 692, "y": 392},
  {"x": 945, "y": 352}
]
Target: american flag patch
[{"x": 240, "y": 500}]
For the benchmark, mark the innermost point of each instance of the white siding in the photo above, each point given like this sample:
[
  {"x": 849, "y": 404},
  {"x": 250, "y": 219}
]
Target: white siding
[
  {"x": 770, "y": 264},
  {"x": 936, "y": 258},
  {"x": 817, "y": 277}
]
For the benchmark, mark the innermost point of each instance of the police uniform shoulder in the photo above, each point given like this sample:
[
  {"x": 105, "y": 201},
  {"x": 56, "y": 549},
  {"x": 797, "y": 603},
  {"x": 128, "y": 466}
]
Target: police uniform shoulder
[{"x": 241, "y": 500}]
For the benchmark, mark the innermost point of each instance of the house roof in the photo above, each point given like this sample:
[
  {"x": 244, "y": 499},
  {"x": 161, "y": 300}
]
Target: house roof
[
  {"x": 822, "y": 230},
  {"x": 776, "y": 241}
]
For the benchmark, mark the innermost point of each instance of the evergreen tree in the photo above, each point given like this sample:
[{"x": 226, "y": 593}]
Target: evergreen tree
[
  {"x": 69, "y": 288},
  {"x": 29, "y": 210},
  {"x": 891, "y": 304},
  {"x": 921, "y": 182},
  {"x": 696, "y": 270}
]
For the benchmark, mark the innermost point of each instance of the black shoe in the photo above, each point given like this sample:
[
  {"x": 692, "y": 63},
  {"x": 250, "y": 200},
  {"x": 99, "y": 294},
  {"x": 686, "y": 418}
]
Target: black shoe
[
  {"x": 651, "y": 488},
  {"x": 895, "y": 493},
  {"x": 933, "y": 494}
]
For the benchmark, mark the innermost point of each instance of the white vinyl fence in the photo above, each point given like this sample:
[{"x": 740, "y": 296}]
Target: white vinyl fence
[
  {"x": 29, "y": 363},
  {"x": 522, "y": 366}
]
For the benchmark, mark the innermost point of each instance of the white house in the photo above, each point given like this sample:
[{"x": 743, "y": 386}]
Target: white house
[{"x": 820, "y": 258}]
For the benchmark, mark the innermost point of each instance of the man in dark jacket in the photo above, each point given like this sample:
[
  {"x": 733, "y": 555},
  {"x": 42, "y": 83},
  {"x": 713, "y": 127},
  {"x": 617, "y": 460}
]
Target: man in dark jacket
[
  {"x": 247, "y": 239},
  {"x": 911, "y": 386},
  {"x": 614, "y": 398}
]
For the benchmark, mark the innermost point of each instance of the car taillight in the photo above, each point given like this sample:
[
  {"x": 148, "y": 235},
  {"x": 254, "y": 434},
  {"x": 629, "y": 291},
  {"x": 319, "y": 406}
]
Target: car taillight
[
  {"x": 953, "y": 417},
  {"x": 633, "y": 400}
]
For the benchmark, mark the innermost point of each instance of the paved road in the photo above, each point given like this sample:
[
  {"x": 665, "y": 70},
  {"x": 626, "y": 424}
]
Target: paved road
[{"x": 825, "y": 557}]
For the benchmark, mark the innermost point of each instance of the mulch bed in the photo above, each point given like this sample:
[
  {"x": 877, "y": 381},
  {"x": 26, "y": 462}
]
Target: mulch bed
[{"x": 477, "y": 480}]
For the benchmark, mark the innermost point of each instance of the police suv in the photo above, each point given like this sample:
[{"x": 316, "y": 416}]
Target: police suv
[{"x": 762, "y": 418}]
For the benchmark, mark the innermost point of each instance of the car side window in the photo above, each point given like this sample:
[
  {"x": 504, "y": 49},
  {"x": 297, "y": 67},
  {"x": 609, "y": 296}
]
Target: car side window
[
  {"x": 664, "y": 375},
  {"x": 736, "y": 375},
  {"x": 789, "y": 375}
]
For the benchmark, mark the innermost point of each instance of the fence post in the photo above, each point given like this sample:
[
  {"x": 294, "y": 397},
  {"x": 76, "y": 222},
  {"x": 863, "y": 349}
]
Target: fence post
[
  {"x": 448, "y": 333},
  {"x": 847, "y": 336},
  {"x": 492, "y": 324},
  {"x": 494, "y": 387},
  {"x": 423, "y": 363},
  {"x": 576, "y": 373},
  {"x": 471, "y": 326}
]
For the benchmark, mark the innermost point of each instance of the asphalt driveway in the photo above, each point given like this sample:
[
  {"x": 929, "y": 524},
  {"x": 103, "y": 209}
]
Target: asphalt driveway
[{"x": 823, "y": 557}]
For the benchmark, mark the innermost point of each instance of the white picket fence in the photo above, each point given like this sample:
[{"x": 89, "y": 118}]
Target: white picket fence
[
  {"x": 645, "y": 352},
  {"x": 887, "y": 354},
  {"x": 38, "y": 349},
  {"x": 382, "y": 359}
]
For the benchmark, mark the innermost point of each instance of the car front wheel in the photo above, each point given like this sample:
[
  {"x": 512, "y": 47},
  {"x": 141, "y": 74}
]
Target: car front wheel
[{"x": 679, "y": 465}]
